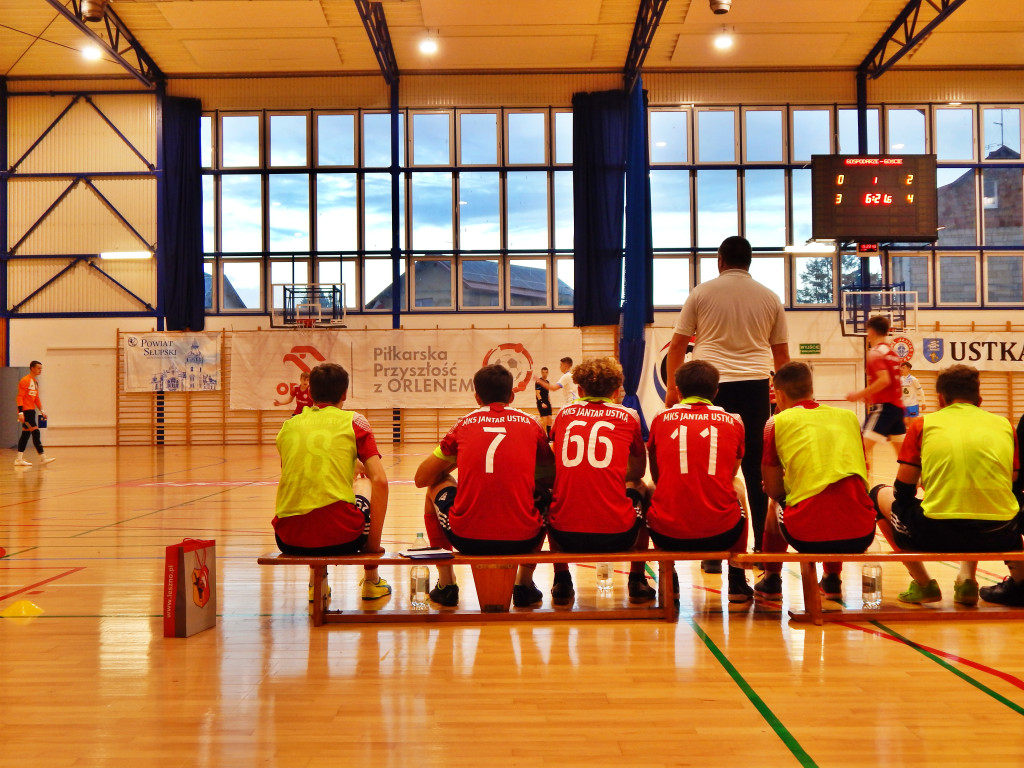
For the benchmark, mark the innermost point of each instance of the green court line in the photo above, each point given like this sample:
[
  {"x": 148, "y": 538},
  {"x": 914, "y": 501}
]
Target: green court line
[
  {"x": 949, "y": 667},
  {"x": 787, "y": 738}
]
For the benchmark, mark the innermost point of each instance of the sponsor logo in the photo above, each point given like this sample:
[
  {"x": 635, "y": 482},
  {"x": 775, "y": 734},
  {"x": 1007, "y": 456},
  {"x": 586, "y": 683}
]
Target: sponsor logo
[
  {"x": 517, "y": 359},
  {"x": 298, "y": 356},
  {"x": 903, "y": 347},
  {"x": 933, "y": 350}
]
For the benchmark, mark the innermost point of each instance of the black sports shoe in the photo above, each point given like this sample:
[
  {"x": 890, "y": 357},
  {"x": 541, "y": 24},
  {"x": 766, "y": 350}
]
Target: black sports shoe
[
  {"x": 639, "y": 590},
  {"x": 562, "y": 592},
  {"x": 739, "y": 589},
  {"x": 525, "y": 595},
  {"x": 711, "y": 566},
  {"x": 770, "y": 586},
  {"x": 446, "y": 596},
  {"x": 831, "y": 586},
  {"x": 1007, "y": 592}
]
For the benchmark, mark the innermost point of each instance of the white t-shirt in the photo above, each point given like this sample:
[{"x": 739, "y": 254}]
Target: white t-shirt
[
  {"x": 568, "y": 388},
  {"x": 736, "y": 321}
]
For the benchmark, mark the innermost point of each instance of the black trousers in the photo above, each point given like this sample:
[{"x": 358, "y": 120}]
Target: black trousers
[
  {"x": 27, "y": 431},
  {"x": 750, "y": 400}
]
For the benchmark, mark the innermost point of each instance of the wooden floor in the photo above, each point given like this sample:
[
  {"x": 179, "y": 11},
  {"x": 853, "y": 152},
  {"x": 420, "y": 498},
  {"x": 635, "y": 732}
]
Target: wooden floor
[{"x": 92, "y": 682}]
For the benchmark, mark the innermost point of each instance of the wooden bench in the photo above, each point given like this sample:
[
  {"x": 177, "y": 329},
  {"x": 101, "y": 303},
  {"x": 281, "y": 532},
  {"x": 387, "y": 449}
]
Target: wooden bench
[
  {"x": 813, "y": 612},
  {"x": 494, "y": 577}
]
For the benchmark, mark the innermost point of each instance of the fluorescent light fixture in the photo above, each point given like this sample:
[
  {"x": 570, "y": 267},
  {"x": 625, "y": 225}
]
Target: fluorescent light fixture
[
  {"x": 92, "y": 53},
  {"x": 428, "y": 45},
  {"x": 723, "y": 40},
  {"x": 813, "y": 246},
  {"x": 124, "y": 255}
]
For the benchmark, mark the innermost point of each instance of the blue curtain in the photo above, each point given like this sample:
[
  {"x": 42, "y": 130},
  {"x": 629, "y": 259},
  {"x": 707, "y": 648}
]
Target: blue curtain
[
  {"x": 638, "y": 308},
  {"x": 181, "y": 231},
  {"x": 599, "y": 127}
]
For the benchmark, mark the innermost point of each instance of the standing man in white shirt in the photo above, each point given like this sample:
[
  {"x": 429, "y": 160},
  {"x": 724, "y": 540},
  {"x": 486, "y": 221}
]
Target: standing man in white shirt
[
  {"x": 564, "y": 383},
  {"x": 740, "y": 328}
]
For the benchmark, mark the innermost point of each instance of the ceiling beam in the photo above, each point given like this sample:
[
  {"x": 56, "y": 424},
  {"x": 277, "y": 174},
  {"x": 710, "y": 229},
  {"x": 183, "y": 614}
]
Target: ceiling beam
[
  {"x": 117, "y": 41},
  {"x": 910, "y": 28},
  {"x": 648, "y": 15},
  {"x": 376, "y": 26}
]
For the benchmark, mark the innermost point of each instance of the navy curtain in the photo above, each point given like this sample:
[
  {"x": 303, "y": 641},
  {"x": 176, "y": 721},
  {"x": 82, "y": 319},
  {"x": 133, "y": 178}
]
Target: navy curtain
[
  {"x": 181, "y": 231},
  {"x": 638, "y": 308},
  {"x": 599, "y": 125}
]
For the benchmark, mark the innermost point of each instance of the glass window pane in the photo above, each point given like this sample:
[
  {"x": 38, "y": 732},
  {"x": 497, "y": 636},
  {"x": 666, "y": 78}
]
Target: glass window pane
[
  {"x": 240, "y": 141},
  {"x": 563, "y": 137},
  {"x": 1002, "y": 207},
  {"x": 707, "y": 268},
  {"x": 241, "y": 213},
  {"x": 336, "y": 221},
  {"x": 814, "y": 282},
  {"x": 716, "y": 136},
  {"x": 1004, "y": 278},
  {"x": 565, "y": 274},
  {"x": 288, "y": 196},
  {"x": 291, "y": 272},
  {"x": 812, "y": 134},
  {"x": 528, "y": 282},
  {"x": 912, "y": 271},
  {"x": 670, "y": 209},
  {"x": 852, "y": 267},
  {"x": 432, "y": 283},
  {"x": 958, "y": 208},
  {"x": 480, "y": 287},
  {"x": 377, "y": 286},
  {"x": 527, "y": 210},
  {"x": 526, "y": 138},
  {"x": 1002, "y": 132},
  {"x": 288, "y": 141},
  {"x": 565, "y": 225},
  {"x": 377, "y": 212},
  {"x": 801, "y": 185},
  {"x": 478, "y": 138},
  {"x": 763, "y": 135},
  {"x": 954, "y": 133},
  {"x": 906, "y": 131},
  {"x": 671, "y": 280},
  {"x": 958, "y": 280},
  {"x": 717, "y": 211},
  {"x": 209, "y": 216},
  {"x": 335, "y": 139},
  {"x": 243, "y": 285},
  {"x": 770, "y": 271},
  {"x": 479, "y": 211},
  {"x": 432, "y": 211},
  {"x": 848, "y": 141},
  {"x": 668, "y": 137},
  {"x": 765, "y": 210},
  {"x": 431, "y": 140},
  {"x": 208, "y": 266},
  {"x": 377, "y": 140},
  {"x": 340, "y": 271},
  {"x": 206, "y": 141}
]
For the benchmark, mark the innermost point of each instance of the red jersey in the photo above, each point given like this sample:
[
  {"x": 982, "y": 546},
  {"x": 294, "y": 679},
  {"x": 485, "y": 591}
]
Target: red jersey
[
  {"x": 843, "y": 510},
  {"x": 593, "y": 440},
  {"x": 693, "y": 449},
  {"x": 303, "y": 397},
  {"x": 498, "y": 450},
  {"x": 882, "y": 358}
]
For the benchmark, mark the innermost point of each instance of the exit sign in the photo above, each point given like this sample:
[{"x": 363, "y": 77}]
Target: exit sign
[{"x": 810, "y": 349}]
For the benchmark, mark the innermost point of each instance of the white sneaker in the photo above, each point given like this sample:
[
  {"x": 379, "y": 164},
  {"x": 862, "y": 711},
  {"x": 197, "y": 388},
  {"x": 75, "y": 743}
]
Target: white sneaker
[
  {"x": 22, "y": 463},
  {"x": 47, "y": 460}
]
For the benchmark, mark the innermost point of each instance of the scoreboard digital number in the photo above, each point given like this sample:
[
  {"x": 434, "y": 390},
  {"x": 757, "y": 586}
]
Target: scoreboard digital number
[{"x": 874, "y": 198}]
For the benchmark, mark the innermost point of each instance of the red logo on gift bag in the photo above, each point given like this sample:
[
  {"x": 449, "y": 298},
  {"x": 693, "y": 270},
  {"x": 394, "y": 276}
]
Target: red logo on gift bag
[{"x": 201, "y": 580}]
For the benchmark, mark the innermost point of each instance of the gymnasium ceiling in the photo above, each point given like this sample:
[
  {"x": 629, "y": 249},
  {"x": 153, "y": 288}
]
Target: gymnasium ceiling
[{"x": 261, "y": 37}]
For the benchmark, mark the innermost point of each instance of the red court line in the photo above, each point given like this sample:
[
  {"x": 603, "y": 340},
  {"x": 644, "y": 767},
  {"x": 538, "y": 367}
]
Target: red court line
[
  {"x": 39, "y": 583},
  {"x": 1005, "y": 676}
]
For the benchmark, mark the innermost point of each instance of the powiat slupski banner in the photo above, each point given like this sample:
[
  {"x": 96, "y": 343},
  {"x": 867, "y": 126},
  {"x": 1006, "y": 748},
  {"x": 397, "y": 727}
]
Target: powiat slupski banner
[
  {"x": 396, "y": 369},
  {"x": 171, "y": 362}
]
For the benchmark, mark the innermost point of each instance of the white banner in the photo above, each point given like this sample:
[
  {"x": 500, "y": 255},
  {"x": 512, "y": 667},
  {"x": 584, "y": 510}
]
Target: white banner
[
  {"x": 932, "y": 351},
  {"x": 651, "y": 390},
  {"x": 171, "y": 362},
  {"x": 395, "y": 369}
]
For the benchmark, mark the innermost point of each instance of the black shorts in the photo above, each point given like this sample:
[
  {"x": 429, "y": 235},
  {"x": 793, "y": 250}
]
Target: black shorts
[
  {"x": 915, "y": 532},
  {"x": 885, "y": 420},
  {"x": 543, "y": 408},
  {"x": 723, "y": 541},
  {"x": 442, "y": 506},
  {"x": 344, "y": 548},
  {"x": 581, "y": 541}
]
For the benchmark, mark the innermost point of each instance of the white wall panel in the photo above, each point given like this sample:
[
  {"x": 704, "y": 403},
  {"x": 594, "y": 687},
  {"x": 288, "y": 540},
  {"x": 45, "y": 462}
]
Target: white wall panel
[{"x": 81, "y": 288}]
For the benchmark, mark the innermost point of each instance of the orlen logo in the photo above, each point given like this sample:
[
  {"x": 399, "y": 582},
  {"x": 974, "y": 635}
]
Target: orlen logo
[
  {"x": 298, "y": 356},
  {"x": 517, "y": 359}
]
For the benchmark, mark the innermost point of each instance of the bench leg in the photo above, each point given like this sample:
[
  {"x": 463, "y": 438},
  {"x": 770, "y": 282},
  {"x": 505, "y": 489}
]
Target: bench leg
[
  {"x": 812, "y": 597},
  {"x": 318, "y": 573},
  {"x": 494, "y": 586},
  {"x": 666, "y": 596}
]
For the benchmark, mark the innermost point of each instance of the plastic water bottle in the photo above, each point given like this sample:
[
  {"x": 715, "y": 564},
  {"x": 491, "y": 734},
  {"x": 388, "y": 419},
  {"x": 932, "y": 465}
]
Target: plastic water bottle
[
  {"x": 871, "y": 581},
  {"x": 604, "y": 577},
  {"x": 419, "y": 585},
  {"x": 420, "y": 542}
]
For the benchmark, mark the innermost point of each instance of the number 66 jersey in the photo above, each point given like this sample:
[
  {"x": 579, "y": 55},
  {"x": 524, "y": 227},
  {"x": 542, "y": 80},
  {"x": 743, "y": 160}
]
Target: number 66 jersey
[{"x": 593, "y": 440}]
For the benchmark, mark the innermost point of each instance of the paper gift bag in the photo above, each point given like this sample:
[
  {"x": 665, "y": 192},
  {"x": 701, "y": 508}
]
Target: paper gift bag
[{"x": 190, "y": 587}]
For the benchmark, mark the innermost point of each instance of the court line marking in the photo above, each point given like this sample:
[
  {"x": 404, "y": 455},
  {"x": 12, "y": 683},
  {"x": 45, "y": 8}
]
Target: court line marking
[{"x": 40, "y": 583}]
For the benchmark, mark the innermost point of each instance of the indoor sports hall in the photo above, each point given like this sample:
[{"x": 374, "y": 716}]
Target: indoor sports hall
[{"x": 201, "y": 200}]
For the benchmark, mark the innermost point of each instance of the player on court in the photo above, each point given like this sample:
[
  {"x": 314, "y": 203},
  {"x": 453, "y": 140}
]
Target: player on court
[
  {"x": 913, "y": 392},
  {"x": 599, "y": 493},
  {"x": 884, "y": 392},
  {"x": 565, "y": 383},
  {"x": 501, "y": 453},
  {"x": 300, "y": 394},
  {"x": 694, "y": 450},
  {"x": 28, "y": 404},
  {"x": 543, "y": 401}
]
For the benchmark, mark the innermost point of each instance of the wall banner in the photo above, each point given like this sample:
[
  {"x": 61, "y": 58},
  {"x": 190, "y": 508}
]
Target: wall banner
[
  {"x": 396, "y": 369},
  {"x": 933, "y": 351},
  {"x": 171, "y": 362}
]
